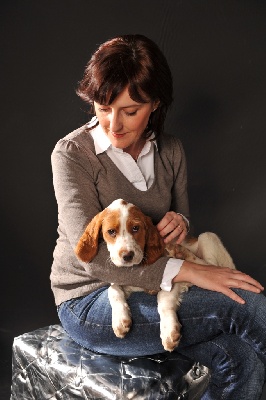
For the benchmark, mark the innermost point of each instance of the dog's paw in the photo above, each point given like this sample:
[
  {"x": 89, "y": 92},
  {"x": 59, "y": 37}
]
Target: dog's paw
[
  {"x": 170, "y": 336},
  {"x": 121, "y": 322},
  {"x": 122, "y": 328}
]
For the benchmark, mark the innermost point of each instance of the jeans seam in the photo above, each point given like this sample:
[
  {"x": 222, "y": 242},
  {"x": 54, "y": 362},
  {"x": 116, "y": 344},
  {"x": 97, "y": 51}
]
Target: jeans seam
[{"x": 232, "y": 366}]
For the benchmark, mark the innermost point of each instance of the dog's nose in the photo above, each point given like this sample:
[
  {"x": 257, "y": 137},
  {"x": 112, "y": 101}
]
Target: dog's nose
[{"x": 128, "y": 256}]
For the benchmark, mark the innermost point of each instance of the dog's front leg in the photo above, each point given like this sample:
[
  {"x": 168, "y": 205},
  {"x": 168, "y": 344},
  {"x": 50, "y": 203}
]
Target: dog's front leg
[
  {"x": 121, "y": 316},
  {"x": 168, "y": 303}
]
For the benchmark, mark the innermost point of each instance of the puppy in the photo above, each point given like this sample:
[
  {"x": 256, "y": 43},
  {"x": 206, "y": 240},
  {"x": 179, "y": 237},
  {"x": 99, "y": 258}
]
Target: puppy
[{"x": 132, "y": 239}]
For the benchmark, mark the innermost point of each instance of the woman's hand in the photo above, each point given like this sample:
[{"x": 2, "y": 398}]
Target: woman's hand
[
  {"x": 219, "y": 279},
  {"x": 172, "y": 226}
]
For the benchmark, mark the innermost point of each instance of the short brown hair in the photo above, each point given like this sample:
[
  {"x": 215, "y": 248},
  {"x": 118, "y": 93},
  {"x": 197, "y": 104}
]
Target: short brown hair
[{"x": 134, "y": 61}]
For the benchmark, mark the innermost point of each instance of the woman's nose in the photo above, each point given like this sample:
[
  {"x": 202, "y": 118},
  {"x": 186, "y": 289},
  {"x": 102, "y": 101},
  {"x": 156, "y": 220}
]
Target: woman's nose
[{"x": 115, "y": 122}]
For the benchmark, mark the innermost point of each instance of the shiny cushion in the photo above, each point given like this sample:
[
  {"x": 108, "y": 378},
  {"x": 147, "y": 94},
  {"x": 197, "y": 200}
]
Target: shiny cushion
[{"x": 47, "y": 364}]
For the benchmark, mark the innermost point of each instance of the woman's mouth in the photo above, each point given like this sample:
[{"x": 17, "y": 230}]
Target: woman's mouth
[{"x": 118, "y": 135}]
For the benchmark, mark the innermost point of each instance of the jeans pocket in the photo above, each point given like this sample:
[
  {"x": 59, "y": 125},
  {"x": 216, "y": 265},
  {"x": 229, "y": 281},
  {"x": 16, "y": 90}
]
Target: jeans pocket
[{"x": 68, "y": 307}]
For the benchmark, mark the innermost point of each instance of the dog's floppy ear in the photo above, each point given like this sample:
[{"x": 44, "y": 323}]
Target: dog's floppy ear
[
  {"x": 154, "y": 247},
  {"x": 87, "y": 246}
]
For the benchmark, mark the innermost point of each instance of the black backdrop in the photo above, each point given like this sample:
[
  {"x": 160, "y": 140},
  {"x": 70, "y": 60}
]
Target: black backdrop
[{"x": 216, "y": 50}]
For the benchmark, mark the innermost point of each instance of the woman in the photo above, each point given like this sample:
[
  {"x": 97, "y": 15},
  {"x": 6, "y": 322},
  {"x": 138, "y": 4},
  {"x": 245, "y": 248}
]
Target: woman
[{"x": 123, "y": 153}]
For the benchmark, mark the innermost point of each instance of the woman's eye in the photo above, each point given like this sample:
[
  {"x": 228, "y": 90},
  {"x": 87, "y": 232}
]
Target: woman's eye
[
  {"x": 111, "y": 232},
  {"x": 130, "y": 114},
  {"x": 135, "y": 229},
  {"x": 103, "y": 109}
]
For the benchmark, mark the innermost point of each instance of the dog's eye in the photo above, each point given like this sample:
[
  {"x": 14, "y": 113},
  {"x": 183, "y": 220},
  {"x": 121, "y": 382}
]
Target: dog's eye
[
  {"x": 135, "y": 228},
  {"x": 111, "y": 232}
]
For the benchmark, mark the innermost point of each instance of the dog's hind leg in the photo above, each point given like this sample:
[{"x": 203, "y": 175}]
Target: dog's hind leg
[{"x": 212, "y": 250}]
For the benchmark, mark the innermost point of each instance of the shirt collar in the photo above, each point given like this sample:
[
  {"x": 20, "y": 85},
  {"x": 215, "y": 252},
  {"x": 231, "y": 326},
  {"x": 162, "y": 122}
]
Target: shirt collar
[{"x": 102, "y": 142}]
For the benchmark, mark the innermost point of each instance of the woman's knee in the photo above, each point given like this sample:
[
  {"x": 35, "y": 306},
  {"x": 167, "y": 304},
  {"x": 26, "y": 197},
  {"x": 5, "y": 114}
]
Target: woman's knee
[{"x": 236, "y": 371}]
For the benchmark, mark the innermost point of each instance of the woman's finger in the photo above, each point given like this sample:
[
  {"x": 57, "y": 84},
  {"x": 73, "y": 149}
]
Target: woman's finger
[
  {"x": 165, "y": 221},
  {"x": 178, "y": 233},
  {"x": 241, "y": 279},
  {"x": 171, "y": 226},
  {"x": 233, "y": 295}
]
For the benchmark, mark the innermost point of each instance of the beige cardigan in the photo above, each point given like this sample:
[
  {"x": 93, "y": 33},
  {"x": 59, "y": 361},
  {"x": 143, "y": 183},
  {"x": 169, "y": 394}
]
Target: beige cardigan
[{"x": 84, "y": 184}]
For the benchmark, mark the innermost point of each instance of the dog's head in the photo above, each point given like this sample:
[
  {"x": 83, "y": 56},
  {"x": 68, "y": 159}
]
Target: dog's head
[{"x": 130, "y": 236}]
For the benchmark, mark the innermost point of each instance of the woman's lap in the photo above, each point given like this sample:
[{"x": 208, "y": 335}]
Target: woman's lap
[
  {"x": 203, "y": 315},
  {"x": 88, "y": 321}
]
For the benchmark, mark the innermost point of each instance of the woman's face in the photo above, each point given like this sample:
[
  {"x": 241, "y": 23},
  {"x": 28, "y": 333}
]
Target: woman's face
[{"x": 124, "y": 121}]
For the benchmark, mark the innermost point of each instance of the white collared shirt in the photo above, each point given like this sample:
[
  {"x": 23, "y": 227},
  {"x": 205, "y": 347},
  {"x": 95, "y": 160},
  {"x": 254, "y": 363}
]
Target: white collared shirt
[{"x": 141, "y": 174}]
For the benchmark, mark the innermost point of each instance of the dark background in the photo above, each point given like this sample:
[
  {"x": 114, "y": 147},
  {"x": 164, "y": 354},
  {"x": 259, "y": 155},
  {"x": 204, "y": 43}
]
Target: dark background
[{"x": 216, "y": 50}]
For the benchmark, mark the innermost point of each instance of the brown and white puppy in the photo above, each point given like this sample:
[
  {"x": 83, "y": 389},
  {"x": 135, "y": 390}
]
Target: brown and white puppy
[{"x": 132, "y": 239}]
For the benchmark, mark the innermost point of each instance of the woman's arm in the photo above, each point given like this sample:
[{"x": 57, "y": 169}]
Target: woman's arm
[
  {"x": 173, "y": 225},
  {"x": 209, "y": 277},
  {"x": 75, "y": 192}
]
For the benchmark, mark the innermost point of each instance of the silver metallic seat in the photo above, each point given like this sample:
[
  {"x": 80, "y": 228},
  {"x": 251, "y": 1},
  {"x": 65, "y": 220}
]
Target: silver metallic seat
[{"x": 48, "y": 364}]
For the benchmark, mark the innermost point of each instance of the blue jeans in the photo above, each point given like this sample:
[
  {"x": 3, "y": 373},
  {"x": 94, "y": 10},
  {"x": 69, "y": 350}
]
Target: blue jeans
[{"x": 227, "y": 337}]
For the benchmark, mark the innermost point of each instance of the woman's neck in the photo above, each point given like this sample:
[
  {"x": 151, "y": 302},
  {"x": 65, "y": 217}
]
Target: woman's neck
[{"x": 135, "y": 149}]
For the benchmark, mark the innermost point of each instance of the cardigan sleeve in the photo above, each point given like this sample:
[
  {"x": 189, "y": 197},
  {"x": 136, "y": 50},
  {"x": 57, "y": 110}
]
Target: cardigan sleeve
[
  {"x": 180, "y": 201},
  {"x": 75, "y": 192}
]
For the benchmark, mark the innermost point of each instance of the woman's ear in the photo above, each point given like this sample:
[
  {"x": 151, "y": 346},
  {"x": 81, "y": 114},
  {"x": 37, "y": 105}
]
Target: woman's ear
[
  {"x": 87, "y": 246},
  {"x": 154, "y": 246},
  {"x": 155, "y": 104}
]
